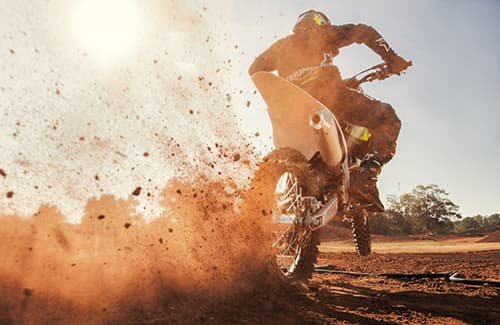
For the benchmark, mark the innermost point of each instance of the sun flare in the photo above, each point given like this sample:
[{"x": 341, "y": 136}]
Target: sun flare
[{"x": 109, "y": 29}]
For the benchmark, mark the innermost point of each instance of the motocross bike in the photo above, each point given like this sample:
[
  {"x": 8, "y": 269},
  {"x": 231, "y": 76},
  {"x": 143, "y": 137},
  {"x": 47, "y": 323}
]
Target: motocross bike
[{"x": 304, "y": 183}]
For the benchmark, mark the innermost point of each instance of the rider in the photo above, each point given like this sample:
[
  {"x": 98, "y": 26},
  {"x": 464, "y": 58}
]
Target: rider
[{"x": 305, "y": 58}]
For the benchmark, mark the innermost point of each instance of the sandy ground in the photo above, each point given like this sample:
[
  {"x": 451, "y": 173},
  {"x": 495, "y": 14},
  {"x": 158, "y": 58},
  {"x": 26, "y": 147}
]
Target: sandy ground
[
  {"x": 327, "y": 299},
  {"x": 416, "y": 247}
]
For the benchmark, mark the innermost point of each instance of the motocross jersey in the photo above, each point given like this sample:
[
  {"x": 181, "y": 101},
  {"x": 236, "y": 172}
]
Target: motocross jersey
[{"x": 302, "y": 57}]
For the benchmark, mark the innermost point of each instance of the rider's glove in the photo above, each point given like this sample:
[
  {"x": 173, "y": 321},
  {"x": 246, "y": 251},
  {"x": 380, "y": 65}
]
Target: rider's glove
[{"x": 397, "y": 64}]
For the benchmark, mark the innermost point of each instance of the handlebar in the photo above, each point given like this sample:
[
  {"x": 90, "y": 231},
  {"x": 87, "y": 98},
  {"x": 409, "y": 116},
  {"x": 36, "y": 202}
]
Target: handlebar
[{"x": 377, "y": 72}]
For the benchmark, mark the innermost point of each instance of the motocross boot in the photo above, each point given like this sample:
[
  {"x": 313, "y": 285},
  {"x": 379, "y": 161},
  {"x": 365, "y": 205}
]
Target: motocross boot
[{"x": 363, "y": 187}]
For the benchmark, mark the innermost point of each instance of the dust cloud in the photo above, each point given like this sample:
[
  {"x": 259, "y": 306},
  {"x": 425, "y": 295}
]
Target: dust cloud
[
  {"x": 122, "y": 181},
  {"x": 115, "y": 266},
  {"x": 76, "y": 123}
]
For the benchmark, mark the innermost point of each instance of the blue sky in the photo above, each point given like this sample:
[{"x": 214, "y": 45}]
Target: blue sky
[{"x": 449, "y": 101}]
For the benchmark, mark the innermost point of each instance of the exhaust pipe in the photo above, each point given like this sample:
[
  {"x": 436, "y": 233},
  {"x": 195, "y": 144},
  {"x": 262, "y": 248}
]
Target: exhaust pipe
[{"x": 326, "y": 130}]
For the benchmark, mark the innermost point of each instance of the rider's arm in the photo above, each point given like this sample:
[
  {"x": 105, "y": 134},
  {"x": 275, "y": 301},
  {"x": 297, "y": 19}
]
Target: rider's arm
[
  {"x": 267, "y": 61},
  {"x": 367, "y": 35}
]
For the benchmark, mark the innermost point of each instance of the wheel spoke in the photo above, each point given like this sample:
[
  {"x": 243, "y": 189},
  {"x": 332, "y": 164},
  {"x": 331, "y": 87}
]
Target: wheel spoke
[
  {"x": 290, "y": 246},
  {"x": 291, "y": 242},
  {"x": 287, "y": 241},
  {"x": 281, "y": 237}
]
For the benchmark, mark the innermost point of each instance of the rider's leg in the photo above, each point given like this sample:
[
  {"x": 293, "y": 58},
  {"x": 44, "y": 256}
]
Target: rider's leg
[{"x": 384, "y": 126}]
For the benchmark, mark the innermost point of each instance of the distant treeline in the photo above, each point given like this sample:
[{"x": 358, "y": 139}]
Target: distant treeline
[{"x": 427, "y": 209}]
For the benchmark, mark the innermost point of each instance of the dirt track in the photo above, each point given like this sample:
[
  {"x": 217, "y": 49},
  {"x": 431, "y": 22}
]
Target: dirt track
[
  {"x": 328, "y": 298},
  {"x": 376, "y": 300}
]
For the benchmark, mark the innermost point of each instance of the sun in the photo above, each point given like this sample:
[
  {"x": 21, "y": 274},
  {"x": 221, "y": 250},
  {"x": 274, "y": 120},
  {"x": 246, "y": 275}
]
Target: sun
[{"x": 108, "y": 29}]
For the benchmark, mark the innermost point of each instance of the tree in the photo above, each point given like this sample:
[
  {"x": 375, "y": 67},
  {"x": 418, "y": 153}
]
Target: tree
[
  {"x": 426, "y": 208},
  {"x": 389, "y": 222},
  {"x": 478, "y": 224},
  {"x": 492, "y": 222}
]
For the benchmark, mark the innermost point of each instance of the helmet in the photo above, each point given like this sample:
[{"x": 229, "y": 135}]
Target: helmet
[{"x": 309, "y": 20}]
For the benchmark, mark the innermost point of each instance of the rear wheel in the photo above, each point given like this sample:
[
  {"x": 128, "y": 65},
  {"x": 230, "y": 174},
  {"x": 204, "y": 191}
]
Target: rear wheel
[
  {"x": 283, "y": 178},
  {"x": 361, "y": 233}
]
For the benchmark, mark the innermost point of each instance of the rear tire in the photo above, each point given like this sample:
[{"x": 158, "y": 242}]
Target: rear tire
[
  {"x": 361, "y": 233},
  {"x": 296, "y": 243}
]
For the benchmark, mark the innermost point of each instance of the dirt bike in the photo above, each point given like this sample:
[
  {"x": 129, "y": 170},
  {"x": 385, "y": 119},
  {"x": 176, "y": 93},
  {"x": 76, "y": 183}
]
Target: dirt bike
[{"x": 303, "y": 184}]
